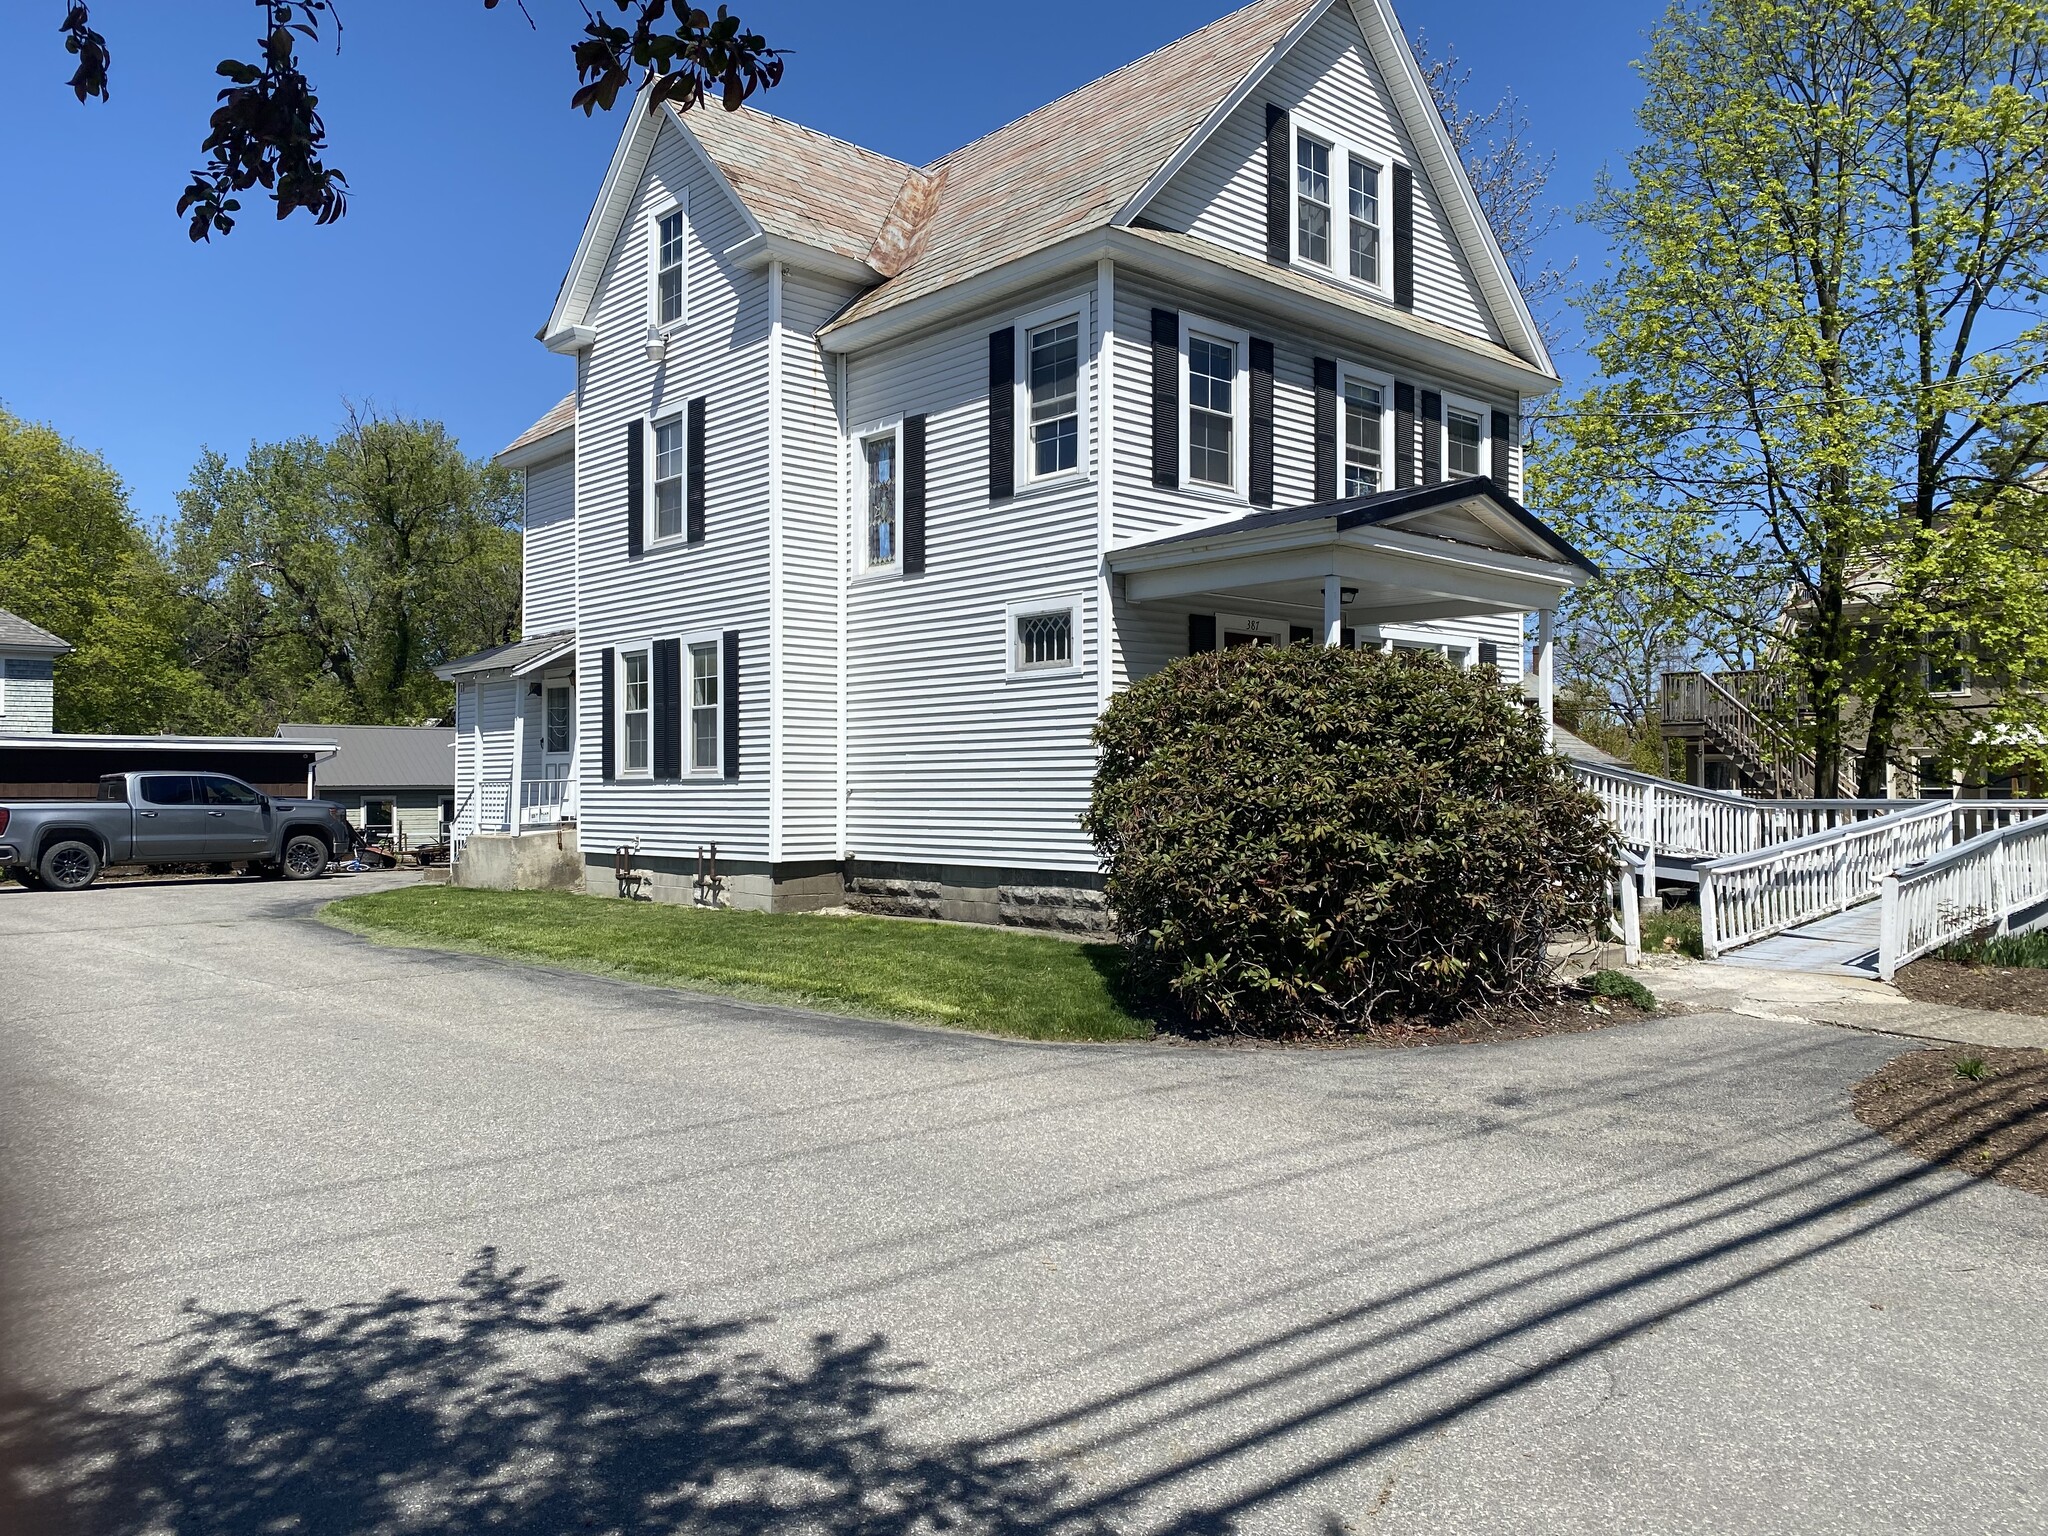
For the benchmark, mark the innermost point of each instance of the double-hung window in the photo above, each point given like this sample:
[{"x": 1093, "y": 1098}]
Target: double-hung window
[
  {"x": 1212, "y": 411},
  {"x": 881, "y": 499},
  {"x": 704, "y": 711},
  {"x": 1364, "y": 220},
  {"x": 670, "y": 253},
  {"x": 1365, "y": 407},
  {"x": 668, "y": 480},
  {"x": 1054, "y": 381},
  {"x": 1312, "y": 200},
  {"x": 1464, "y": 440},
  {"x": 636, "y": 712}
]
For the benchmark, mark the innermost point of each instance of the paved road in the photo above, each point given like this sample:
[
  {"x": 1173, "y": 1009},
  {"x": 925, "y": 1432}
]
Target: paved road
[{"x": 471, "y": 1247}]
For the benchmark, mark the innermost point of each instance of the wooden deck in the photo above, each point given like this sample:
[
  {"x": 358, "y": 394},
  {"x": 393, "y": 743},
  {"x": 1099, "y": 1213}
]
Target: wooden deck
[{"x": 1844, "y": 944}]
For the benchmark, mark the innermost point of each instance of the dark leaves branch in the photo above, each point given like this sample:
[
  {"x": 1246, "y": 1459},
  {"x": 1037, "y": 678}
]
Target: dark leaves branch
[{"x": 267, "y": 130}]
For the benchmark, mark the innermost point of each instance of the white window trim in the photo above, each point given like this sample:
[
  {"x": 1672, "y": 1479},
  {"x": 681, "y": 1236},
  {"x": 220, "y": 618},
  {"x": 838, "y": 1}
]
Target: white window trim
[
  {"x": 1470, "y": 407},
  {"x": 639, "y": 648},
  {"x": 1384, "y": 637},
  {"x": 1240, "y": 405},
  {"x": 680, "y": 203},
  {"x": 716, "y": 640},
  {"x": 650, "y": 516},
  {"x": 857, "y": 470},
  {"x": 1342, "y": 149},
  {"x": 1080, "y": 307},
  {"x": 1384, "y": 383},
  {"x": 1074, "y": 607}
]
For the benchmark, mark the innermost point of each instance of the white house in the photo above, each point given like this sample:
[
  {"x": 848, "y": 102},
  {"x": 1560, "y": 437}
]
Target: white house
[
  {"x": 877, "y": 479},
  {"x": 28, "y": 658}
]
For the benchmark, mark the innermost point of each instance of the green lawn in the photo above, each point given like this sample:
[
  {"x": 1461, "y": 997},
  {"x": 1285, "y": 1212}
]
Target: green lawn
[{"x": 971, "y": 978}]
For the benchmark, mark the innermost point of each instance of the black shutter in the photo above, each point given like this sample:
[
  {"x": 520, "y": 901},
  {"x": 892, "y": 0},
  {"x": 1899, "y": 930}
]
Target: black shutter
[
  {"x": 636, "y": 489},
  {"x": 1166, "y": 398},
  {"x": 1300, "y": 634},
  {"x": 1500, "y": 449},
  {"x": 1404, "y": 434},
  {"x": 1279, "y": 149},
  {"x": 607, "y": 752},
  {"x": 1326, "y": 429},
  {"x": 1432, "y": 437},
  {"x": 694, "y": 511},
  {"x": 913, "y": 495},
  {"x": 1489, "y": 654},
  {"x": 668, "y": 709},
  {"x": 1002, "y": 413},
  {"x": 1260, "y": 443},
  {"x": 1404, "y": 236},
  {"x": 1201, "y": 633},
  {"x": 729, "y": 700},
  {"x": 1347, "y": 637}
]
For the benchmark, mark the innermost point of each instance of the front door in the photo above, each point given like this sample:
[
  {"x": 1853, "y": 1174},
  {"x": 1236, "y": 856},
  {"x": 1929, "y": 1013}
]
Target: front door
[{"x": 558, "y": 740}]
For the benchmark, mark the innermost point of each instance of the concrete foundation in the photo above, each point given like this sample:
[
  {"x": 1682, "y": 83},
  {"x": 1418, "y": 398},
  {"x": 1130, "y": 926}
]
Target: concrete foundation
[
  {"x": 747, "y": 885},
  {"x": 525, "y": 861}
]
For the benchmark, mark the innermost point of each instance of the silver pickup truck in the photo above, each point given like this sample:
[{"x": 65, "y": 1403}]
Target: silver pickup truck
[{"x": 169, "y": 818}]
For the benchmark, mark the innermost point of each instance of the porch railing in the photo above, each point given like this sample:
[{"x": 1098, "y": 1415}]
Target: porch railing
[
  {"x": 544, "y": 802},
  {"x": 1980, "y": 883}
]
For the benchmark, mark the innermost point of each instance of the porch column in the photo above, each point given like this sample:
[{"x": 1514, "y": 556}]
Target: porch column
[
  {"x": 1546, "y": 650},
  {"x": 518, "y": 755},
  {"x": 1333, "y": 610}
]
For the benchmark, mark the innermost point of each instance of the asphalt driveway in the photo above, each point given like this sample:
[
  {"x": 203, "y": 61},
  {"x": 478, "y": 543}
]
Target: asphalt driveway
[{"x": 309, "y": 1235}]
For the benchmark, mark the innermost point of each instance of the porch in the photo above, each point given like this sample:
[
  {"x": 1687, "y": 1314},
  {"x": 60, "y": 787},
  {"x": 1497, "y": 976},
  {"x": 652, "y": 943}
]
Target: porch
[
  {"x": 515, "y": 717},
  {"x": 1399, "y": 570}
]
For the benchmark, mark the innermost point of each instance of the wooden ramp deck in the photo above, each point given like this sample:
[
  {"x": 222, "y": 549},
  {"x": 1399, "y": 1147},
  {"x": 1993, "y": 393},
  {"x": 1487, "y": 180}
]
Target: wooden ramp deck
[{"x": 1844, "y": 944}]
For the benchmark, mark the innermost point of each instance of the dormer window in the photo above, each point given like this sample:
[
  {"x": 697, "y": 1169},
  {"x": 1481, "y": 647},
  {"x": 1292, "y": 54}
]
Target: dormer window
[
  {"x": 1312, "y": 200},
  {"x": 669, "y": 256}
]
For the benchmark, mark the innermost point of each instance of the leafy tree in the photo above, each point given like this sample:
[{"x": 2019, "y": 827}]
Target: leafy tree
[
  {"x": 331, "y": 578},
  {"x": 74, "y": 560},
  {"x": 1823, "y": 359},
  {"x": 268, "y": 132}
]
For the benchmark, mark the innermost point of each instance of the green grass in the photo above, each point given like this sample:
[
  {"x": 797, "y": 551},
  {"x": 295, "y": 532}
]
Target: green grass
[
  {"x": 1680, "y": 923},
  {"x": 970, "y": 978},
  {"x": 2026, "y": 951}
]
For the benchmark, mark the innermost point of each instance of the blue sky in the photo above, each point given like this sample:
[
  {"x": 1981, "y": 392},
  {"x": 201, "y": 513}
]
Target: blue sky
[{"x": 471, "y": 178}]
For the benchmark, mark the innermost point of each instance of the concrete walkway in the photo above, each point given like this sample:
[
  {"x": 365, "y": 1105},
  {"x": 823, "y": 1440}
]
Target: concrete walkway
[
  {"x": 1843, "y": 944},
  {"x": 1840, "y": 998}
]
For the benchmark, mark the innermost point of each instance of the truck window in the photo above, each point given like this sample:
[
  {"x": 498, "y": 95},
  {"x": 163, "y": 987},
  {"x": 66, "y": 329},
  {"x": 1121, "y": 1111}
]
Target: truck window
[
  {"x": 218, "y": 791},
  {"x": 168, "y": 789},
  {"x": 113, "y": 786}
]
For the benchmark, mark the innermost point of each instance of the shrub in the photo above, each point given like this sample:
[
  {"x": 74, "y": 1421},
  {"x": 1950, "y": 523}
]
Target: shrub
[
  {"x": 1621, "y": 987},
  {"x": 1307, "y": 837}
]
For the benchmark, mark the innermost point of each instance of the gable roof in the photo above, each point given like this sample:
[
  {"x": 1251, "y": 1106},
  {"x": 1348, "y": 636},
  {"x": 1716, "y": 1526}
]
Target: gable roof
[
  {"x": 382, "y": 756},
  {"x": 1073, "y": 165},
  {"x": 17, "y": 634},
  {"x": 1089, "y": 161},
  {"x": 517, "y": 657},
  {"x": 1387, "y": 508}
]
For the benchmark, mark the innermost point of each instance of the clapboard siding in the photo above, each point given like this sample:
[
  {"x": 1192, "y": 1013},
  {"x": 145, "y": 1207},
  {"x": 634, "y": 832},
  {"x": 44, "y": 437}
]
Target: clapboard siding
[
  {"x": 813, "y": 554},
  {"x": 1330, "y": 78},
  {"x": 548, "y": 591},
  {"x": 948, "y": 758},
  {"x": 1144, "y": 511},
  {"x": 719, "y": 584}
]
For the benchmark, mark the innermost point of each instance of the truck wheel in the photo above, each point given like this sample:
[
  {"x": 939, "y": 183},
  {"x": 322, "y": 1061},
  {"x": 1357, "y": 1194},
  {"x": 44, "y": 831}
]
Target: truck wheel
[
  {"x": 70, "y": 865},
  {"x": 304, "y": 857}
]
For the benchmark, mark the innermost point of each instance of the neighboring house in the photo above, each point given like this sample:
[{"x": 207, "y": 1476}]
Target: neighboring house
[
  {"x": 396, "y": 781},
  {"x": 878, "y": 480},
  {"x": 28, "y": 657}
]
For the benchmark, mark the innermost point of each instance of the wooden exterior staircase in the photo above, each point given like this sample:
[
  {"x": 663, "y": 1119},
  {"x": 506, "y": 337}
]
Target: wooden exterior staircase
[{"x": 1731, "y": 714}]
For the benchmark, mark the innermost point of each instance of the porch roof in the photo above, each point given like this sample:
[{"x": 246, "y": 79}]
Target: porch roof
[
  {"x": 1441, "y": 551},
  {"x": 517, "y": 658}
]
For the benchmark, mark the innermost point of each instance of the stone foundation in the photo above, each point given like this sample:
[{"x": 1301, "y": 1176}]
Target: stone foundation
[{"x": 1062, "y": 901}]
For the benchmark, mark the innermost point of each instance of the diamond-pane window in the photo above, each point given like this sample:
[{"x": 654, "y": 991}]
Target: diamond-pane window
[{"x": 1045, "y": 640}]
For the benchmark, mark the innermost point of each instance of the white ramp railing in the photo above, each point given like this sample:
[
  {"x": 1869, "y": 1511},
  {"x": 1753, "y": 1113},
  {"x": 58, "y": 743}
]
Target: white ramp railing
[
  {"x": 1754, "y": 895},
  {"x": 1980, "y": 883}
]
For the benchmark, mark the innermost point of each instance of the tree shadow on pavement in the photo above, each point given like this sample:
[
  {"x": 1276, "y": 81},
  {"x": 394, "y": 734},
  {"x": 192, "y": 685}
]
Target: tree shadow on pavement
[{"x": 498, "y": 1407}]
